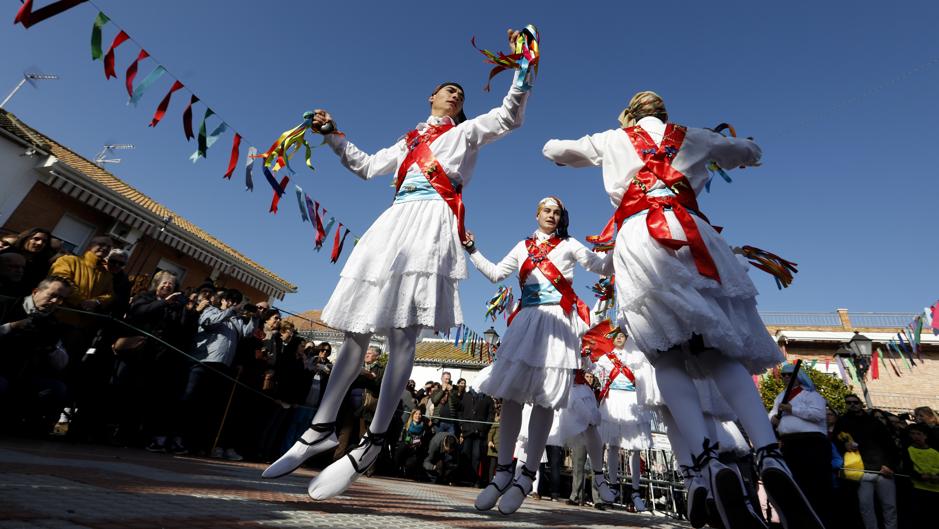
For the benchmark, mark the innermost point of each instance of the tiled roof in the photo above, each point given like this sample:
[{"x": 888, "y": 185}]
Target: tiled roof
[
  {"x": 309, "y": 321},
  {"x": 10, "y": 123},
  {"x": 432, "y": 350}
]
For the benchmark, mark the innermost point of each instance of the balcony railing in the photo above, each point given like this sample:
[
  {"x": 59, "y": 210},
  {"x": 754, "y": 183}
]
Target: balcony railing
[{"x": 886, "y": 320}]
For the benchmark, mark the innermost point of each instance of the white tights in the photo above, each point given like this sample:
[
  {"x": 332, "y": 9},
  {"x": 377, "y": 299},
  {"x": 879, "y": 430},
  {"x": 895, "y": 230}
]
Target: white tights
[
  {"x": 401, "y": 344},
  {"x": 635, "y": 465},
  {"x": 735, "y": 384},
  {"x": 539, "y": 426}
]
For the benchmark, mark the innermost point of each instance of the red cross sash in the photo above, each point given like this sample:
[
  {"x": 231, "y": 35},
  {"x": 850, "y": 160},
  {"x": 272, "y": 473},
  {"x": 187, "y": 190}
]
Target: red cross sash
[
  {"x": 792, "y": 394},
  {"x": 618, "y": 369},
  {"x": 419, "y": 153},
  {"x": 657, "y": 165},
  {"x": 538, "y": 258}
]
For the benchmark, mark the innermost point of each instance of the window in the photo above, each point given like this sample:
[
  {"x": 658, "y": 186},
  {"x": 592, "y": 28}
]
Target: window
[
  {"x": 170, "y": 266},
  {"x": 74, "y": 233}
]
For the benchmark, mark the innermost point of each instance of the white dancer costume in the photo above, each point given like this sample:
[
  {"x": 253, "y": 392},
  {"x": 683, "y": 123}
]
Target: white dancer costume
[
  {"x": 626, "y": 421},
  {"x": 539, "y": 352},
  {"x": 680, "y": 290},
  {"x": 402, "y": 275}
]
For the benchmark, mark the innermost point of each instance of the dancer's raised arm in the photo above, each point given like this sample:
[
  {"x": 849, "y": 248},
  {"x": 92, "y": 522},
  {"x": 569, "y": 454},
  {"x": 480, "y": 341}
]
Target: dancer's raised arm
[{"x": 366, "y": 166}]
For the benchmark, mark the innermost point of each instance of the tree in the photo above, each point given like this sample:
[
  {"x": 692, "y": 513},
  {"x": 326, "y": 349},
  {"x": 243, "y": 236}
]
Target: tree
[{"x": 829, "y": 386}]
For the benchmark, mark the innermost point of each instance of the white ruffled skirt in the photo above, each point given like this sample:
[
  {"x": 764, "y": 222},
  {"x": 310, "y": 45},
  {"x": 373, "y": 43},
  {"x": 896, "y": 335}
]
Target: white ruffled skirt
[
  {"x": 624, "y": 422},
  {"x": 663, "y": 299},
  {"x": 581, "y": 413},
  {"x": 403, "y": 272},
  {"x": 536, "y": 361}
]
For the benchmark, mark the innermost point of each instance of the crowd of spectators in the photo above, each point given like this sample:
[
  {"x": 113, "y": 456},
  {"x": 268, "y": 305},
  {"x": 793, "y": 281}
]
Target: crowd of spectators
[
  {"x": 862, "y": 468},
  {"x": 202, "y": 371}
]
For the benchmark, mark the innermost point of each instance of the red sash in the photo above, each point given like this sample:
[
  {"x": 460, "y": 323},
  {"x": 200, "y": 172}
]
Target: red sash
[
  {"x": 538, "y": 258},
  {"x": 419, "y": 153},
  {"x": 658, "y": 166},
  {"x": 792, "y": 394},
  {"x": 618, "y": 369}
]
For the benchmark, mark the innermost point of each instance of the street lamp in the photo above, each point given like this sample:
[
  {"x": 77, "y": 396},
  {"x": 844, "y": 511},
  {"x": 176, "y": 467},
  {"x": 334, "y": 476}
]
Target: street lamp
[
  {"x": 29, "y": 77},
  {"x": 492, "y": 337},
  {"x": 859, "y": 349}
]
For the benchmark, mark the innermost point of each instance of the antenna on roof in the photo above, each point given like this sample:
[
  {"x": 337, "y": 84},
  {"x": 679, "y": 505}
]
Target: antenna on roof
[{"x": 102, "y": 158}]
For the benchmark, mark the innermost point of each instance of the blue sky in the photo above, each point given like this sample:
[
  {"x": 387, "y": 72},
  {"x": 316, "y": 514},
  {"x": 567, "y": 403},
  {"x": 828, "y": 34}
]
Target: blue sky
[{"x": 840, "y": 95}]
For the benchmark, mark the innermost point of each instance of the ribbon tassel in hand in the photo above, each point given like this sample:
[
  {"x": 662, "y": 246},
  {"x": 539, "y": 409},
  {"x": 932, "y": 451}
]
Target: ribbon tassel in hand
[
  {"x": 287, "y": 145},
  {"x": 525, "y": 55},
  {"x": 499, "y": 302},
  {"x": 772, "y": 264}
]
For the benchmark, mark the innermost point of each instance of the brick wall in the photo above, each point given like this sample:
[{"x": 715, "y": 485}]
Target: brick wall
[{"x": 914, "y": 387}]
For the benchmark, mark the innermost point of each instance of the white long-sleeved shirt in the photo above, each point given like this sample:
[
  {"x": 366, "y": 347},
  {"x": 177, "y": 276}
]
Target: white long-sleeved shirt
[
  {"x": 614, "y": 152},
  {"x": 456, "y": 149},
  {"x": 537, "y": 289},
  {"x": 808, "y": 414}
]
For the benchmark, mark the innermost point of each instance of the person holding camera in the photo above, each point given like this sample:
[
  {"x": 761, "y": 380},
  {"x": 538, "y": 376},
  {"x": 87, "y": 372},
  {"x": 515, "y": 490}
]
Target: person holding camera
[
  {"x": 403, "y": 275},
  {"x": 32, "y": 357},
  {"x": 208, "y": 388}
]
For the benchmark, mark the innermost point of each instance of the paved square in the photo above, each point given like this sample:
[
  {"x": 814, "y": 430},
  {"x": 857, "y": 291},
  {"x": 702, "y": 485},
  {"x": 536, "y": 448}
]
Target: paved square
[{"x": 62, "y": 486}]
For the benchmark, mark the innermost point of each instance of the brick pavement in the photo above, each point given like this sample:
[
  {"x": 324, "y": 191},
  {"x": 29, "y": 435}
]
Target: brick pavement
[{"x": 61, "y": 486}]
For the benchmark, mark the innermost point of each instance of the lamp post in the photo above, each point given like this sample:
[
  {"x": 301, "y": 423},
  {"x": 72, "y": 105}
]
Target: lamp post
[
  {"x": 859, "y": 349},
  {"x": 28, "y": 77},
  {"x": 492, "y": 338}
]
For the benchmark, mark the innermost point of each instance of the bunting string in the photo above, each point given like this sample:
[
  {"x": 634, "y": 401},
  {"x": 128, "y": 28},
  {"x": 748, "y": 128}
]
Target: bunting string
[{"x": 277, "y": 157}]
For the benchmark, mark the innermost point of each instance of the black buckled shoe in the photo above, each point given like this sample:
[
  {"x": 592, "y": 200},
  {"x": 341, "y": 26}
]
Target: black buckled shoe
[{"x": 317, "y": 439}]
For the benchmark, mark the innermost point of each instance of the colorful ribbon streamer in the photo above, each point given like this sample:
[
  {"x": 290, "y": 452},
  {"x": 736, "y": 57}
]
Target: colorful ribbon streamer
[
  {"x": 525, "y": 56},
  {"x": 233, "y": 158},
  {"x": 338, "y": 243},
  {"x": 147, "y": 82},
  {"x": 288, "y": 143},
  {"x": 28, "y": 17},
  {"x": 100, "y": 21},
  {"x": 119, "y": 39},
  {"x": 499, "y": 303},
  {"x": 187, "y": 118},
  {"x": 774, "y": 265},
  {"x": 132, "y": 72},
  {"x": 303, "y": 215},
  {"x": 249, "y": 169}
]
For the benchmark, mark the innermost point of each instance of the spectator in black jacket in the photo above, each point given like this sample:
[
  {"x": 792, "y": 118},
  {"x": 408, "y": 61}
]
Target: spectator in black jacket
[
  {"x": 880, "y": 457},
  {"x": 441, "y": 460},
  {"x": 32, "y": 357},
  {"x": 446, "y": 405},
  {"x": 476, "y": 411},
  {"x": 150, "y": 373}
]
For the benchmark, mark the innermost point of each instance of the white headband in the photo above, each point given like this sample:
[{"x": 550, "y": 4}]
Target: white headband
[{"x": 548, "y": 201}]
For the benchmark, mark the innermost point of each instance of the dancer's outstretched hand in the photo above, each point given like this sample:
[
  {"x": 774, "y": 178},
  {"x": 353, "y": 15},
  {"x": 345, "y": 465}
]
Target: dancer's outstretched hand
[
  {"x": 470, "y": 242},
  {"x": 513, "y": 34},
  {"x": 320, "y": 118}
]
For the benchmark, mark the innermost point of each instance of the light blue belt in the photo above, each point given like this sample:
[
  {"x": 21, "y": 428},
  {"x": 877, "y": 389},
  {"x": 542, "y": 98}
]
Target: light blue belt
[
  {"x": 416, "y": 187},
  {"x": 537, "y": 294}
]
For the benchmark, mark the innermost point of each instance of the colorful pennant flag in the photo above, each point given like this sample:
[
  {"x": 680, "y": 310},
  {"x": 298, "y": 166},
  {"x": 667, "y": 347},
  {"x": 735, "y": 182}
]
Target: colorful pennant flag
[
  {"x": 338, "y": 243},
  {"x": 164, "y": 104},
  {"x": 132, "y": 72},
  {"x": 303, "y": 215},
  {"x": 119, "y": 39},
  {"x": 28, "y": 17},
  {"x": 100, "y": 21},
  {"x": 249, "y": 168},
  {"x": 147, "y": 82},
  {"x": 233, "y": 158},
  {"x": 279, "y": 190}
]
